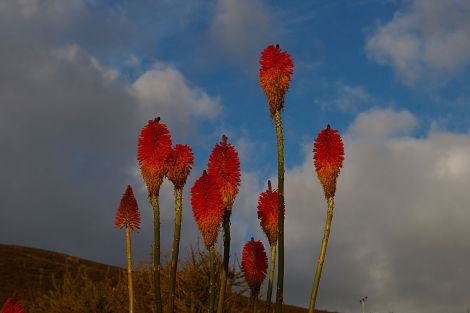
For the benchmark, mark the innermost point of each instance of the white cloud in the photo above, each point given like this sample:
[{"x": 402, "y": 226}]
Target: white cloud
[
  {"x": 163, "y": 90},
  {"x": 378, "y": 123},
  {"x": 427, "y": 39},
  {"x": 400, "y": 228}
]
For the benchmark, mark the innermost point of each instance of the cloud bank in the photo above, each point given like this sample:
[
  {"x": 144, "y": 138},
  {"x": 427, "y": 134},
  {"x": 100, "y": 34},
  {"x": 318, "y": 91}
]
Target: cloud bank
[{"x": 427, "y": 39}]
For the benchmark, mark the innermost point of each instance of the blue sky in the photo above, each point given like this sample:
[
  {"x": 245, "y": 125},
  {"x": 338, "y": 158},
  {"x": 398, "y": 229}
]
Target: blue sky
[{"x": 79, "y": 79}]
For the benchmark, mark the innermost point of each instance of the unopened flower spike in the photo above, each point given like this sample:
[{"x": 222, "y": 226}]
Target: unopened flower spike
[
  {"x": 224, "y": 164},
  {"x": 208, "y": 211},
  {"x": 328, "y": 156},
  {"x": 128, "y": 212},
  {"x": 268, "y": 212},
  {"x": 275, "y": 75},
  {"x": 180, "y": 161},
  {"x": 154, "y": 146},
  {"x": 254, "y": 267},
  {"x": 207, "y": 207}
]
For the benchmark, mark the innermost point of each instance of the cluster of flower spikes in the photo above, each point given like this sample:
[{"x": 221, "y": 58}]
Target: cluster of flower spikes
[
  {"x": 275, "y": 75},
  {"x": 254, "y": 264},
  {"x": 128, "y": 212},
  {"x": 207, "y": 207},
  {"x": 224, "y": 164},
  {"x": 12, "y": 306},
  {"x": 179, "y": 162},
  {"x": 268, "y": 213},
  {"x": 154, "y": 146},
  {"x": 328, "y": 158}
]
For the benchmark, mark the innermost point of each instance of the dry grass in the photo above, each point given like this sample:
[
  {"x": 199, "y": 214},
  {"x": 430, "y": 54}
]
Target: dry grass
[{"x": 50, "y": 282}]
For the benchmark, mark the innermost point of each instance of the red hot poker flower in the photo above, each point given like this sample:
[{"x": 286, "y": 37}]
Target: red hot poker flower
[
  {"x": 328, "y": 155},
  {"x": 179, "y": 162},
  {"x": 224, "y": 164},
  {"x": 153, "y": 149},
  {"x": 275, "y": 75},
  {"x": 128, "y": 212},
  {"x": 267, "y": 213},
  {"x": 207, "y": 207},
  {"x": 254, "y": 264},
  {"x": 12, "y": 306}
]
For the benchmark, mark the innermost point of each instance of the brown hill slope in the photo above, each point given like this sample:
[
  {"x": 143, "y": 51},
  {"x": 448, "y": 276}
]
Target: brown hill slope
[{"x": 28, "y": 273}]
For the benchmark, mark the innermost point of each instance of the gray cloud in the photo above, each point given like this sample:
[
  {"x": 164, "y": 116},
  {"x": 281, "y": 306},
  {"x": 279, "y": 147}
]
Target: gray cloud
[
  {"x": 422, "y": 43},
  {"x": 68, "y": 132},
  {"x": 241, "y": 29}
]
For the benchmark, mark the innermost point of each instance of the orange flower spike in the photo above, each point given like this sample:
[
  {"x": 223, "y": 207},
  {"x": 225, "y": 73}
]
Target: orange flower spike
[
  {"x": 207, "y": 207},
  {"x": 179, "y": 163},
  {"x": 275, "y": 75},
  {"x": 12, "y": 306},
  {"x": 254, "y": 264},
  {"x": 328, "y": 155},
  {"x": 224, "y": 164},
  {"x": 128, "y": 212},
  {"x": 268, "y": 212},
  {"x": 153, "y": 148}
]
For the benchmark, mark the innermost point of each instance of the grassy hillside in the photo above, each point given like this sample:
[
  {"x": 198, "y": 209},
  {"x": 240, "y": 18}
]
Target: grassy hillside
[{"x": 47, "y": 281}]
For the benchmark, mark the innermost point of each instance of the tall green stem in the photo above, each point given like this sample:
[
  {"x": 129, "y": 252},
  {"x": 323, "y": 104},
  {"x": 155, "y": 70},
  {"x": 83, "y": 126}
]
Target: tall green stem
[
  {"x": 156, "y": 251},
  {"x": 254, "y": 300},
  {"x": 175, "y": 248},
  {"x": 272, "y": 265},
  {"x": 212, "y": 279},
  {"x": 280, "y": 211},
  {"x": 223, "y": 280},
  {"x": 129, "y": 270},
  {"x": 321, "y": 259}
]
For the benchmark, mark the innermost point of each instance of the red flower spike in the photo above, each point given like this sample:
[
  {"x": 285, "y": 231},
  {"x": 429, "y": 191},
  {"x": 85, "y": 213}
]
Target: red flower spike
[
  {"x": 153, "y": 149},
  {"x": 12, "y": 306},
  {"x": 128, "y": 212},
  {"x": 275, "y": 75},
  {"x": 254, "y": 264},
  {"x": 224, "y": 164},
  {"x": 328, "y": 155},
  {"x": 179, "y": 163},
  {"x": 268, "y": 212},
  {"x": 207, "y": 207}
]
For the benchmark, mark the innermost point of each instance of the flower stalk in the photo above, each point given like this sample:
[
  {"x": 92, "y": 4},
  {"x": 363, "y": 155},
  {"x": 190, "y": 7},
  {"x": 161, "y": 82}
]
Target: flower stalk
[
  {"x": 212, "y": 279},
  {"x": 179, "y": 163},
  {"x": 175, "y": 247},
  {"x": 156, "y": 265},
  {"x": 224, "y": 165},
  {"x": 274, "y": 77},
  {"x": 272, "y": 266},
  {"x": 321, "y": 259},
  {"x": 208, "y": 210},
  {"x": 129, "y": 270},
  {"x": 280, "y": 212},
  {"x": 154, "y": 146},
  {"x": 328, "y": 156},
  {"x": 268, "y": 216},
  {"x": 128, "y": 216}
]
